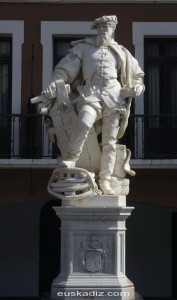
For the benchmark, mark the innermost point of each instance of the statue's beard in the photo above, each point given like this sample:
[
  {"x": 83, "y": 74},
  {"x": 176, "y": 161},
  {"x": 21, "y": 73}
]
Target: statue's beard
[{"x": 103, "y": 40}]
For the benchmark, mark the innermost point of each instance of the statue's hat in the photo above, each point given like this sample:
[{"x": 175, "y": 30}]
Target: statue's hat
[{"x": 112, "y": 20}]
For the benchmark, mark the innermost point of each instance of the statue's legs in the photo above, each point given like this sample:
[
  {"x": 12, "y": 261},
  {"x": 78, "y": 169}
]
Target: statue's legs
[
  {"x": 110, "y": 128},
  {"x": 86, "y": 119}
]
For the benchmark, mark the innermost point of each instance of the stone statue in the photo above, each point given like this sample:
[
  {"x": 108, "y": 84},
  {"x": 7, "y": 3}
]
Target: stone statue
[{"x": 106, "y": 77}]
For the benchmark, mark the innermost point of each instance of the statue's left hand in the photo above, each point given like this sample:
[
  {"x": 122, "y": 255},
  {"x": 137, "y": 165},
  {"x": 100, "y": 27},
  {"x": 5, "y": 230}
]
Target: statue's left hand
[
  {"x": 125, "y": 93},
  {"x": 139, "y": 89},
  {"x": 136, "y": 91}
]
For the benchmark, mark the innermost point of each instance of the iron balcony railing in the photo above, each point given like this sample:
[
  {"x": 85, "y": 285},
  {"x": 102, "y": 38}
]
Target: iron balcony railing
[{"x": 148, "y": 137}]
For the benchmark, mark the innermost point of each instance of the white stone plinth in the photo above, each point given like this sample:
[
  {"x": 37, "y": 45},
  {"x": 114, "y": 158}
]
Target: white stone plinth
[
  {"x": 97, "y": 201},
  {"x": 93, "y": 250}
]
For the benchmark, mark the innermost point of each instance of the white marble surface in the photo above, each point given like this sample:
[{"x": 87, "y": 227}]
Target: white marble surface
[
  {"x": 93, "y": 249},
  {"x": 103, "y": 102},
  {"x": 97, "y": 201}
]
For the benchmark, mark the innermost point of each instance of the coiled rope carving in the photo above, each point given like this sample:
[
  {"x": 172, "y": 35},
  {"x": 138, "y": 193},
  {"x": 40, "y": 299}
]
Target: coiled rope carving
[{"x": 72, "y": 184}]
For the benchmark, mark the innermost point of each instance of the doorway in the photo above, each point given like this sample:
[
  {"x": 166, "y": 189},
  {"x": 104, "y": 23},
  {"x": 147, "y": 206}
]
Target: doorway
[
  {"x": 49, "y": 262},
  {"x": 174, "y": 254}
]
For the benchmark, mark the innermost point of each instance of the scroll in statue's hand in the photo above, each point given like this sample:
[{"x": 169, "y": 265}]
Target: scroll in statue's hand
[{"x": 50, "y": 91}]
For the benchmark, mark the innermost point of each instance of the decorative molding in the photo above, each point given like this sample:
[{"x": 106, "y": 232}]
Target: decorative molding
[
  {"x": 90, "y": 1},
  {"x": 49, "y": 163},
  {"x": 121, "y": 252}
]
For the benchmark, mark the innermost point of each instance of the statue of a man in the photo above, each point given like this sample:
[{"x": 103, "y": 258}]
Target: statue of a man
[{"x": 110, "y": 78}]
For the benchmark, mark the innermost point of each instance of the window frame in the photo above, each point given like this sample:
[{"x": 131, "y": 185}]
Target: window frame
[
  {"x": 15, "y": 29},
  {"x": 8, "y": 61},
  {"x": 165, "y": 62},
  {"x": 140, "y": 30}
]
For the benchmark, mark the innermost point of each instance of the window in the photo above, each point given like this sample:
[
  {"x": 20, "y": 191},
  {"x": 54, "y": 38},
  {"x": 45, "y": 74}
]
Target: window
[
  {"x": 161, "y": 76},
  {"x": 5, "y": 75},
  {"x": 5, "y": 95},
  {"x": 161, "y": 97},
  {"x": 60, "y": 48},
  {"x": 143, "y": 32}
]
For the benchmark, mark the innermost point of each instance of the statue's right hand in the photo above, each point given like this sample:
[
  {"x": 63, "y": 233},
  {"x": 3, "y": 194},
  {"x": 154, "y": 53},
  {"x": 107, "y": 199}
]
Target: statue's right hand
[{"x": 50, "y": 91}]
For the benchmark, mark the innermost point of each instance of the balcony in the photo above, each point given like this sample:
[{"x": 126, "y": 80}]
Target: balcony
[
  {"x": 152, "y": 136},
  {"x": 152, "y": 140}
]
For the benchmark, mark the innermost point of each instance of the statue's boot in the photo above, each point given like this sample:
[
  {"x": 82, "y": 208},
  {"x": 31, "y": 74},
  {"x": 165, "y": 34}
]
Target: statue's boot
[
  {"x": 106, "y": 188},
  {"x": 68, "y": 163}
]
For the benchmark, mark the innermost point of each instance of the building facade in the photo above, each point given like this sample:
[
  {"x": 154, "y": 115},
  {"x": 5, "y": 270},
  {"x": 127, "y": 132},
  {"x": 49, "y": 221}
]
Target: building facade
[{"x": 34, "y": 35}]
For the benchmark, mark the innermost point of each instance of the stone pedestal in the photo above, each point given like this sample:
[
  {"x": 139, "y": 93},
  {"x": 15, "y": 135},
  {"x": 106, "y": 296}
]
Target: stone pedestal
[{"x": 93, "y": 250}]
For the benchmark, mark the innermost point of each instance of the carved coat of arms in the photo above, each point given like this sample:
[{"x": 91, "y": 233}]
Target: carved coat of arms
[
  {"x": 93, "y": 256},
  {"x": 93, "y": 260}
]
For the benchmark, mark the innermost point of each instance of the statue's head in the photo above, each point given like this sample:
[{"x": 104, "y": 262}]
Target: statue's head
[
  {"x": 110, "y": 21},
  {"x": 105, "y": 27}
]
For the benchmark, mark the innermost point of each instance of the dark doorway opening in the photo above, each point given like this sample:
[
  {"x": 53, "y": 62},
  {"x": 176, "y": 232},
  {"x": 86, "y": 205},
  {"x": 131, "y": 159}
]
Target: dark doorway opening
[
  {"x": 49, "y": 263},
  {"x": 174, "y": 254}
]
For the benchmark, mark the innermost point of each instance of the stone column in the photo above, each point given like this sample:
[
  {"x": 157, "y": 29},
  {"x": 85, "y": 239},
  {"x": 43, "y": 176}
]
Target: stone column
[{"x": 93, "y": 250}]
